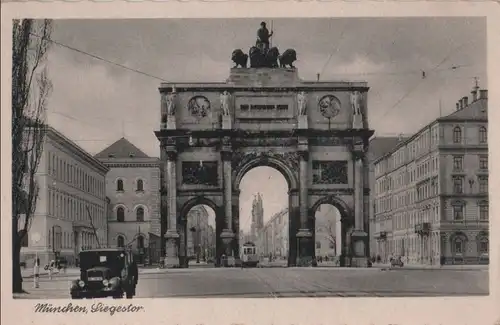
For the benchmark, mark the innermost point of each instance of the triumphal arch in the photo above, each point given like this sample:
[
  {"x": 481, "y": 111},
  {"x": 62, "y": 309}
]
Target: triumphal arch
[{"x": 315, "y": 133}]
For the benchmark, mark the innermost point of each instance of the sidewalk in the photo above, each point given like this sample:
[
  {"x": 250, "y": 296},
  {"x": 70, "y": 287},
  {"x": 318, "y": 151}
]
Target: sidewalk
[
  {"x": 433, "y": 267},
  {"x": 28, "y": 272}
]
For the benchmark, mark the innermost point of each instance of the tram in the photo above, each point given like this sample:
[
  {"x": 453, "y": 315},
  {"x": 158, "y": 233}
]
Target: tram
[{"x": 249, "y": 257}]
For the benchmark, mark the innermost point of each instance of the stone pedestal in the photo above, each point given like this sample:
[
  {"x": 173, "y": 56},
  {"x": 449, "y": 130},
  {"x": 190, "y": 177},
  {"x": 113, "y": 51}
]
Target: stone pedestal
[
  {"x": 227, "y": 237},
  {"x": 357, "y": 121},
  {"x": 359, "y": 244},
  {"x": 302, "y": 122},
  {"x": 171, "y": 123},
  {"x": 227, "y": 122},
  {"x": 171, "y": 258},
  {"x": 305, "y": 247}
]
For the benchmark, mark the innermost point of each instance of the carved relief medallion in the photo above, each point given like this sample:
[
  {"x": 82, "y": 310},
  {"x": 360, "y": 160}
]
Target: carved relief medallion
[
  {"x": 329, "y": 106},
  {"x": 199, "y": 106}
]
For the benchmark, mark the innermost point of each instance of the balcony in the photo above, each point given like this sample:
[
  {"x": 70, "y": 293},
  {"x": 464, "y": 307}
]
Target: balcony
[{"x": 423, "y": 229}]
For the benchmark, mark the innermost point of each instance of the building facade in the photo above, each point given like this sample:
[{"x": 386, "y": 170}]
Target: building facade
[
  {"x": 274, "y": 236},
  {"x": 133, "y": 189},
  {"x": 71, "y": 208},
  {"x": 431, "y": 191},
  {"x": 379, "y": 146}
]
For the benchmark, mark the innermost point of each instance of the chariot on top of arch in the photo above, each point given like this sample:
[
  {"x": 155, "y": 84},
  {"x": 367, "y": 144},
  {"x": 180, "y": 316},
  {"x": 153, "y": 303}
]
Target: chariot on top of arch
[{"x": 264, "y": 55}]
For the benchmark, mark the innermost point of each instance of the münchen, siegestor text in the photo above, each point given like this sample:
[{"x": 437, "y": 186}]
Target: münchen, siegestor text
[{"x": 50, "y": 308}]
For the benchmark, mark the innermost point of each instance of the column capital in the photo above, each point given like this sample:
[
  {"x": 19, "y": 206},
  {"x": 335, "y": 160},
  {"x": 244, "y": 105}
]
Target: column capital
[
  {"x": 171, "y": 155},
  {"x": 303, "y": 154}
]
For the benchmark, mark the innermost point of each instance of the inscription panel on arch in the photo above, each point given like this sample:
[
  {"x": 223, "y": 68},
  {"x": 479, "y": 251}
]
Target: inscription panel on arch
[
  {"x": 330, "y": 172},
  {"x": 200, "y": 173}
]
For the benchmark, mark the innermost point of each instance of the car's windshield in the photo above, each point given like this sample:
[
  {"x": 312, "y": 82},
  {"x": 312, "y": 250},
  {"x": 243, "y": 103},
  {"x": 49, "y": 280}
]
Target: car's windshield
[{"x": 111, "y": 259}]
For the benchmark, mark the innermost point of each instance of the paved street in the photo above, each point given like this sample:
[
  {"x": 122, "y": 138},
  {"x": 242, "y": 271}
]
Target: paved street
[{"x": 289, "y": 282}]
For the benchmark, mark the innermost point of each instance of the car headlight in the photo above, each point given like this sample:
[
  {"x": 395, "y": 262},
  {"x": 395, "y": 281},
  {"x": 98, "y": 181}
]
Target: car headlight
[
  {"x": 81, "y": 283},
  {"x": 105, "y": 282},
  {"x": 114, "y": 282}
]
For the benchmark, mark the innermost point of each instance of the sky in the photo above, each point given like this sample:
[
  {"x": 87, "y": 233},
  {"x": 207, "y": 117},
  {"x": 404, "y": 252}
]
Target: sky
[{"x": 95, "y": 103}]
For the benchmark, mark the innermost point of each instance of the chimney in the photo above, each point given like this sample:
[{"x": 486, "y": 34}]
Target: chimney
[
  {"x": 484, "y": 94},
  {"x": 465, "y": 101},
  {"x": 474, "y": 95},
  {"x": 475, "y": 90},
  {"x": 317, "y": 76}
]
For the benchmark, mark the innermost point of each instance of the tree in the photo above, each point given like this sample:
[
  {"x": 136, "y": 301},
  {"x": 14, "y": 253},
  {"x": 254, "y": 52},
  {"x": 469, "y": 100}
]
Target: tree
[
  {"x": 328, "y": 230},
  {"x": 30, "y": 91}
]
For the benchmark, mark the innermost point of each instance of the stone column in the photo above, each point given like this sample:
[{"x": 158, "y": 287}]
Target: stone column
[
  {"x": 227, "y": 234},
  {"x": 359, "y": 237},
  {"x": 304, "y": 235},
  {"x": 172, "y": 235}
]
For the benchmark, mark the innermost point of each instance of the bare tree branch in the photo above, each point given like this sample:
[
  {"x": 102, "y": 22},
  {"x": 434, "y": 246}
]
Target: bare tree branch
[{"x": 31, "y": 88}]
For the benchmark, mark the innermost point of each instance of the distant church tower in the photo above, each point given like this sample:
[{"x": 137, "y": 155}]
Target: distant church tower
[{"x": 257, "y": 216}]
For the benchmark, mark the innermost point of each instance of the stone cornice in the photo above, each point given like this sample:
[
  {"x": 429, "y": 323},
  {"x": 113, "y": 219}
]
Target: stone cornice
[
  {"x": 132, "y": 165},
  {"x": 238, "y": 134},
  {"x": 63, "y": 143},
  {"x": 295, "y": 87}
]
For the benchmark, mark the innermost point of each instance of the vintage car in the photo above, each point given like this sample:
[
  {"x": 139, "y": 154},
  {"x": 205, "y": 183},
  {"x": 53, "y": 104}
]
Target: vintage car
[
  {"x": 108, "y": 272},
  {"x": 396, "y": 261}
]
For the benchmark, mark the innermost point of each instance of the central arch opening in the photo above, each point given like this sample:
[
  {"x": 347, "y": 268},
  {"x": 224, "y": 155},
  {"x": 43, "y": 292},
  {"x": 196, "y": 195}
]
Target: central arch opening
[
  {"x": 264, "y": 204},
  {"x": 199, "y": 235},
  {"x": 328, "y": 234}
]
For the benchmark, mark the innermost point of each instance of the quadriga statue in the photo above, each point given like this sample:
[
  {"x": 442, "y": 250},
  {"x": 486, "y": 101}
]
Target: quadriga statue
[
  {"x": 239, "y": 58},
  {"x": 272, "y": 57},
  {"x": 288, "y": 58}
]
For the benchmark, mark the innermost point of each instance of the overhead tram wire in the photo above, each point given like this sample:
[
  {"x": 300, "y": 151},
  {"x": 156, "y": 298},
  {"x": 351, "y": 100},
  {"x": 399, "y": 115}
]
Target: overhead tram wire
[
  {"x": 100, "y": 58},
  {"x": 424, "y": 77},
  {"x": 336, "y": 49}
]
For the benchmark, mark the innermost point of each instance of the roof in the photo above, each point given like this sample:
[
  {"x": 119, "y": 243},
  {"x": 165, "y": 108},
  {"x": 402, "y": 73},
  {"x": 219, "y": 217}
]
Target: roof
[
  {"x": 477, "y": 110},
  {"x": 380, "y": 146},
  {"x": 122, "y": 149},
  {"x": 76, "y": 151}
]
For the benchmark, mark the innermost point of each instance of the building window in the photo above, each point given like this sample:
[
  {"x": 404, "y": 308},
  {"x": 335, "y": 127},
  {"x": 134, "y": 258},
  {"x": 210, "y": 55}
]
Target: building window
[
  {"x": 458, "y": 246},
  {"x": 140, "y": 214},
  {"x": 140, "y": 185},
  {"x": 483, "y": 246},
  {"x": 483, "y": 184},
  {"x": 458, "y": 185},
  {"x": 483, "y": 135},
  {"x": 458, "y": 211},
  {"x": 458, "y": 163},
  {"x": 483, "y": 211},
  {"x": 483, "y": 162},
  {"x": 120, "y": 214},
  {"x": 119, "y": 185},
  {"x": 318, "y": 245},
  {"x": 457, "y": 135},
  {"x": 140, "y": 242},
  {"x": 120, "y": 241}
]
